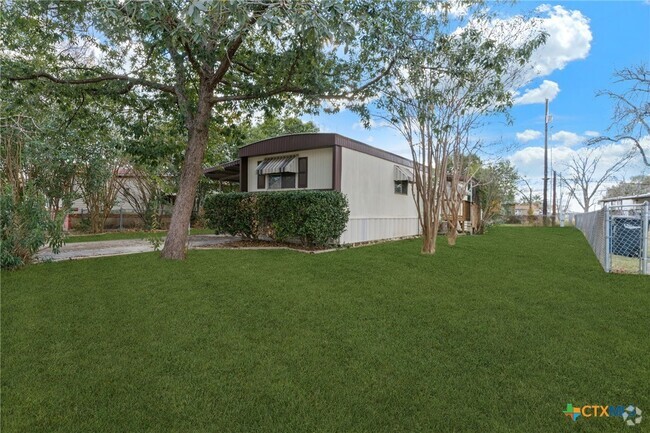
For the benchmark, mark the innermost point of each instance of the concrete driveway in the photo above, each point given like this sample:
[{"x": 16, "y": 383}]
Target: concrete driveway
[{"x": 84, "y": 250}]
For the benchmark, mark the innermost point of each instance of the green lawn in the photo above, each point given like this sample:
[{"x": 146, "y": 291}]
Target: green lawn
[
  {"x": 114, "y": 236},
  {"x": 495, "y": 335}
]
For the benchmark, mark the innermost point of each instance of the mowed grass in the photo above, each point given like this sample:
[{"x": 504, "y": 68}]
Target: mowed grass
[
  {"x": 127, "y": 234},
  {"x": 497, "y": 334}
]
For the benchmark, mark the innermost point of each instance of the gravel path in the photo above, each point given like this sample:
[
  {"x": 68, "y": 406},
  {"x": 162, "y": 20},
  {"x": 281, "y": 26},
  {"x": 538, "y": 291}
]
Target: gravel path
[{"x": 84, "y": 250}]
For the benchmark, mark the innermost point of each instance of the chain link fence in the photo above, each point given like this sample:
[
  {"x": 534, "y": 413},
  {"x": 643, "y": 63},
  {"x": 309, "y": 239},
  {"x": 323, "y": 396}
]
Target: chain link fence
[{"x": 619, "y": 237}]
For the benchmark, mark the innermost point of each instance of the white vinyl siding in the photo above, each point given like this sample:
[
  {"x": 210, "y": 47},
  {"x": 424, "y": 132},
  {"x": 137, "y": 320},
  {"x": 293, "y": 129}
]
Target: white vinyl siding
[{"x": 376, "y": 211}]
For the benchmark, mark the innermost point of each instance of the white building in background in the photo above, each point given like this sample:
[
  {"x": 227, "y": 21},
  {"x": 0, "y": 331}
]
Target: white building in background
[{"x": 626, "y": 200}]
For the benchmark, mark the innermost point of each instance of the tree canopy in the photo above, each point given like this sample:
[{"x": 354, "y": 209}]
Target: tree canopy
[
  {"x": 203, "y": 61},
  {"x": 631, "y": 116},
  {"x": 639, "y": 184}
]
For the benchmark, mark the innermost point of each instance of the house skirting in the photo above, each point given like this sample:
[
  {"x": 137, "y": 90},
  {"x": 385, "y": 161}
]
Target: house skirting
[{"x": 368, "y": 229}]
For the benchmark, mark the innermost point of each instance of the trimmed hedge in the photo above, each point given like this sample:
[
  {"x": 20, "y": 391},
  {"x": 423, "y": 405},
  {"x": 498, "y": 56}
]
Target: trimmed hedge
[{"x": 312, "y": 217}]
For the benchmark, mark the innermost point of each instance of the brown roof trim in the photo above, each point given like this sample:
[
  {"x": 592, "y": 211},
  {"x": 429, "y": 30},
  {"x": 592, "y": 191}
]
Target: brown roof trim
[
  {"x": 307, "y": 141},
  {"x": 349, "y": 143}
]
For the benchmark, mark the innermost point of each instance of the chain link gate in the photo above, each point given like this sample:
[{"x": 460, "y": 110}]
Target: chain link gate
[
  {"x": 628, "y": 238},
  {"x": 619, "y": 237}
]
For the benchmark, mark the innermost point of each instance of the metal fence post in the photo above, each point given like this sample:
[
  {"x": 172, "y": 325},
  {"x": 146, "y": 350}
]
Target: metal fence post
[
  {"x": 121, "y": 217},
  {"x": 645, "y": 219},
  {"x": 608, "y": 264}
]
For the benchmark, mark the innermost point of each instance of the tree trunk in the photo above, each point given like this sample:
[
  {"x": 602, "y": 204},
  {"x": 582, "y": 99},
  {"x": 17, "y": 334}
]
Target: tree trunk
[
  {"x": 191, "y": 172},
  {"x": 428, "y": 232},
  {"x": 452, "y": 234},
  {"x": 95, "y": 226},
  {"x": 427, "y": 246},
  {"x": 93, "y": 215}
]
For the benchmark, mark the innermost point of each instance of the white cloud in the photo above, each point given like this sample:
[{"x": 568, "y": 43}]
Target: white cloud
[
  {"x": 454, "y": 8},
  {"x": 569, "y": 38},
  {"x": 373, "y": 124},
  {"x": 529, "y": 162},
  {"x": 528, "y": 135},
  {"x": 524, "y": 157},
  {"x": 547, "y": 90},
  {"x": 592, "y": 133},
  {"x": 567, "y": 138}
]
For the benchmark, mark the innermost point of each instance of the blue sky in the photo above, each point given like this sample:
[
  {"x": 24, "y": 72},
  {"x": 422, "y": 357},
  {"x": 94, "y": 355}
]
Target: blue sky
[{"x": 588, "y": 41}]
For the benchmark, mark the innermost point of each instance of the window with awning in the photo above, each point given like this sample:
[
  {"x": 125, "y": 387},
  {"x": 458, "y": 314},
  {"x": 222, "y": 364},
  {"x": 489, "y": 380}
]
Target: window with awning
[
  {"x": 284, "y": 164},
  {"x": 402, "y": 177},
  {"x": 402, "y": 174}
]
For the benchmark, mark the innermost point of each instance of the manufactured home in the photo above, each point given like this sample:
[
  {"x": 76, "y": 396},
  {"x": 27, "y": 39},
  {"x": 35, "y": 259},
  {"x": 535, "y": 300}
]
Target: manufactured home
[{"x": 378, "y": 184}]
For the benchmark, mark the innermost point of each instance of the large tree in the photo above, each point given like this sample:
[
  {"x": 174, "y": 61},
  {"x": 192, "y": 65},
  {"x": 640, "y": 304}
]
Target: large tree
[
  {"x": 631, "y": 117},
  {"x": 452, "y": 76},
  {"x": 528, "y": 197},
  {"x": 275, "y": 126},
  {"x": 639, "y": 184},
  {"x": 586, "y": 173},
  {"x": 497, "y": 185},
  {"x": 205, "y": 60}
]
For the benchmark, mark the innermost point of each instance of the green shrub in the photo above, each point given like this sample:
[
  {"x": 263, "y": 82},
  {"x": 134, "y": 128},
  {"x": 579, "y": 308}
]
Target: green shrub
[
  {"x": 234, "y": 213},
  {"x": 312, "y": 217},
  {"x": 26, "y": 225}
]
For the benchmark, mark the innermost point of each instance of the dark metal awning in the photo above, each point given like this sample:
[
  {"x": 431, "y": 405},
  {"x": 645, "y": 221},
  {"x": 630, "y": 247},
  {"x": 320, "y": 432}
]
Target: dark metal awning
[
  {"x": 228, "y": 172},
  {"x": 285, "y": 164}
]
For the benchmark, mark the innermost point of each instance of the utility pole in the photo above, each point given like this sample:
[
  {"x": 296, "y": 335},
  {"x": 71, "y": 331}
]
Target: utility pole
[
  {"x": 563, "y": 206},
  {"x": 545, "y": 200},
  {"x": 554, "y": 195}
]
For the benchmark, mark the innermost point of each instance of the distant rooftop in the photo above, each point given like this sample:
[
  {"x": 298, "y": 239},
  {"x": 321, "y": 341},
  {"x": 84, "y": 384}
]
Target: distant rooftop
[{"x": 626, "y": 197}]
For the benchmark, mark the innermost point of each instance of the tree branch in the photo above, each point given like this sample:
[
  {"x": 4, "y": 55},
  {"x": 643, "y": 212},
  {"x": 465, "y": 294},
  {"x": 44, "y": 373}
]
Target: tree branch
[
  {"x": 227, "y": 59},
  {"x": 94, "y": 80},
  {"x": 618, "y": 138},
  {"x": 303, "y": 91}
]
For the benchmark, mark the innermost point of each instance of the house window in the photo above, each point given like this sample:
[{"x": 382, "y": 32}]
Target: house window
[
  {"x": 282, "y": 180},
  {"x": 302, "y": 172},
  {"x": 401, "y": 187}
]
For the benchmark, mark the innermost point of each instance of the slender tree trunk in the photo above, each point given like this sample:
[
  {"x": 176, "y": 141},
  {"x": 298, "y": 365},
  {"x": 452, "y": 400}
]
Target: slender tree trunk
[
  {"x": 95, "y": 221},
  {"x": 452, "y": 233},
  {"x": 435, "y": 226},
  {"x": 428, "y": 243},
  {"x": 191, "y": 172}
]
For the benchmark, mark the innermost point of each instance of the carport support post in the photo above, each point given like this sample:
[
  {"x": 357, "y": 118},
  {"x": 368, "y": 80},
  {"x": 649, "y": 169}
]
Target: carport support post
[
  {"x": 608, "y": 264},
  {"x": 645, "y": 219}
]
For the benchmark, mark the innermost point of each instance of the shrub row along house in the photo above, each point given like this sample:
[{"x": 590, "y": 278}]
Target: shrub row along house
[{"x": 377, "y": 184}]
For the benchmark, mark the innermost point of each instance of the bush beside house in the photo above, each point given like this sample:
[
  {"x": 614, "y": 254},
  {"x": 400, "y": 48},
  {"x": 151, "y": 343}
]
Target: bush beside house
[
  {"x": 312, "y": 217},
  {"x": 25, "y": 226}
]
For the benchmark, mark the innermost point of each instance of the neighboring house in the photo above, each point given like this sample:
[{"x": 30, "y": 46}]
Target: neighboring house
[
  {"x": 378, "y": 184},
  {"x": 470, "y": 212},
  {"x": 123, "y": 214},
  {"x": 125, "y": 177},
  {"x": 626, "y": 200}
]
